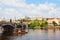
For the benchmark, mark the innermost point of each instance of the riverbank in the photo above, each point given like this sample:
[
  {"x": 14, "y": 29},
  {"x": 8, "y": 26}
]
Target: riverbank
[{"x": 54, "y": 27}]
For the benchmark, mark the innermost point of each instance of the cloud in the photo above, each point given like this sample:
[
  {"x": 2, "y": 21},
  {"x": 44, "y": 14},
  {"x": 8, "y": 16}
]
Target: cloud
[{"x": 20, "y": 8}]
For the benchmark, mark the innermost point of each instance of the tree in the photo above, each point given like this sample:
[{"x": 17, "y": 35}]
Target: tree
[
  {"x": 34, "y": 23},
  {"x": 44, "y": 23},
  {"x": 54, "y": 23}
]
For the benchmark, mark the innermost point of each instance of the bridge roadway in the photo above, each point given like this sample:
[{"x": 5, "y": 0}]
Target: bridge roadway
[{"x": 7, "y": 26}]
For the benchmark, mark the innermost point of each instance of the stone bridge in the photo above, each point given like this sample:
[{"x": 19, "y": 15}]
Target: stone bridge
[{"x": 7, "y": 26}]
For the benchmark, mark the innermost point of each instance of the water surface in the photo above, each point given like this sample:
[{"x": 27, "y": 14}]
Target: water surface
[{"x": 36, "y": 34}]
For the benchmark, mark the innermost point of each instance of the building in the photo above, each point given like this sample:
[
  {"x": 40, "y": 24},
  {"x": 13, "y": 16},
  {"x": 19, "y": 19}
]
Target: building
[{"x": 50, "y": 20}]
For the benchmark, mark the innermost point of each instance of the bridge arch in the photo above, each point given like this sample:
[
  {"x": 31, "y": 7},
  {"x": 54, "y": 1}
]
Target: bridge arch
[
  {"x": 21, "y": 26},
  {"x": 7, "y": 27}
]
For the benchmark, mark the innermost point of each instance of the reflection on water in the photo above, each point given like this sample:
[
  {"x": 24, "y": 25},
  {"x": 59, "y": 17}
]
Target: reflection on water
[{"x": 36, "y": 34}]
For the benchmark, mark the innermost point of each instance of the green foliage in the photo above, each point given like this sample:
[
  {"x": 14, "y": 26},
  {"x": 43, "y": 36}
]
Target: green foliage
[
  {"x": 31, "y": 25},
  {"x": 44, "y": 23},
  {"x": 36, "y": 24},
  {"x": 54, "y": 23}
]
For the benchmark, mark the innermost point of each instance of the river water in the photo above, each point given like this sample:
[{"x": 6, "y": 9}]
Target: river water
[{"x": 36, "y": 34}]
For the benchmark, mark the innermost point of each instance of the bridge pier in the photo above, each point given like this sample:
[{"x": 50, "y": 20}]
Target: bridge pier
[{"x": 1, "y": 29}]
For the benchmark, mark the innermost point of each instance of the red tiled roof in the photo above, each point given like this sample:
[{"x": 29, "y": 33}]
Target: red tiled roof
[{"x": 51, "y": 18}]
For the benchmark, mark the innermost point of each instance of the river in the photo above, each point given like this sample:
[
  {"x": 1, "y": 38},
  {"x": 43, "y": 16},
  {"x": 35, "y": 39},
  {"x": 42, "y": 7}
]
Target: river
[{"x": 36, "y": 34}]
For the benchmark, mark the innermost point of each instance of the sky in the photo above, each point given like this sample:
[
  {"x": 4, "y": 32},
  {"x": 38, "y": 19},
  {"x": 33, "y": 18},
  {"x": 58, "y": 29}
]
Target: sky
[{"x": 11, "y": 9}]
